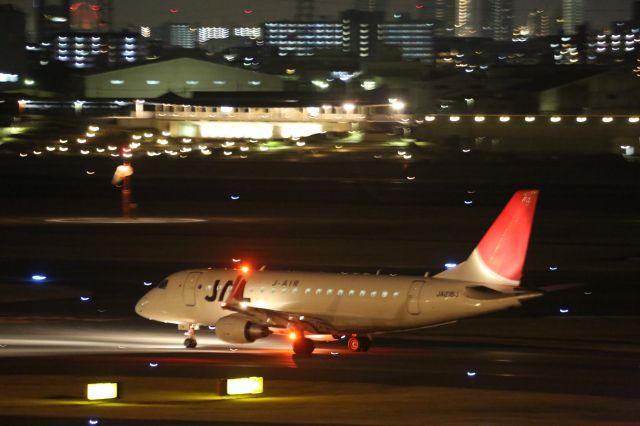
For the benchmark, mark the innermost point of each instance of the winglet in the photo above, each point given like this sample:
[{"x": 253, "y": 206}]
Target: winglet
[{"x": 500, "y": 255}]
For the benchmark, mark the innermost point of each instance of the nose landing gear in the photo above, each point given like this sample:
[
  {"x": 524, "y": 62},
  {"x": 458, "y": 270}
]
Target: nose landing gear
[{"x": 190, "y": 342}]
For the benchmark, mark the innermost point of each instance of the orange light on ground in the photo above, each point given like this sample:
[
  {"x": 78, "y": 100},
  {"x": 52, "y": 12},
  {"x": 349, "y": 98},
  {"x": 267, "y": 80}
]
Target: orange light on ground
[
  {"x": 244, "y": 269},
  {"x": 293, "y": 335}
]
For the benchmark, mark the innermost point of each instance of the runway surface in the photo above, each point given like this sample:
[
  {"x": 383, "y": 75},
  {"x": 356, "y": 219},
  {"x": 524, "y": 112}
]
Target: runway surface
[{"x": 132, "y": 351}]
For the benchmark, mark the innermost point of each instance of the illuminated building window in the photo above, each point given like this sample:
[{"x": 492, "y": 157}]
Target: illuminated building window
[
  {"x": 153, "y": 82},
  {"x": 117, "y": 82}
]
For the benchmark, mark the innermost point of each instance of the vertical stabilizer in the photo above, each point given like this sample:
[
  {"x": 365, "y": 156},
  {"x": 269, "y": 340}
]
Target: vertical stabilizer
[{"x": 500, "y": 255}]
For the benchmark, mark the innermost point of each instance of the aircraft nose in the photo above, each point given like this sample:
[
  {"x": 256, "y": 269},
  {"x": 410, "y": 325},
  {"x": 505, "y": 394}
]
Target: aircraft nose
[{"x": 141, "y": 304}]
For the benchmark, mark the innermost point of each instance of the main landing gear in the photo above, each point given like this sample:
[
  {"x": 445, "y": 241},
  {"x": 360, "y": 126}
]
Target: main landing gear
[
  {"x": 359, "y": 343},
  {"x": 301, "y": 345},
  {"x": 190, "y": 342}
]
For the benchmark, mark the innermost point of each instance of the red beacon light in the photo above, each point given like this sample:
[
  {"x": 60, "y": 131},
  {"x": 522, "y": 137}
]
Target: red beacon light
[{"x": 245, "y": 269}]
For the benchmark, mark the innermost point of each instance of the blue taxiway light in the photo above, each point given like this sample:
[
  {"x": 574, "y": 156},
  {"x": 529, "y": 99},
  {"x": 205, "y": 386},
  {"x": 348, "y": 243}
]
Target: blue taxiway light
[
  {"x": 147, "y": 283},
  {"x": 471, "y": 373},
  {"x": 153, "y": 364},
  {"x": 84, "y": 298},
  {"x": 235, "y": 197},
  {"x": 93, "y": 422},
  {"x": 468, "y": 202},
  {"x": 450, "y": 265},
  {"x": 564, "y": 310},
  {"x": 38, "y": 277},
  {"x": 553, "y": 268}
]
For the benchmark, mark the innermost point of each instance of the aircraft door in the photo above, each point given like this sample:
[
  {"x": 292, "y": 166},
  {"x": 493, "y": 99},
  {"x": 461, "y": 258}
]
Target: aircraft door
[
  {"x": 189, "y": 288},
  {"x": 413, "y": 298}
]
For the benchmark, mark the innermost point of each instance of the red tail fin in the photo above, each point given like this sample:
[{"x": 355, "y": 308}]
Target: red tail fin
[{"x": 500, "y": 255}]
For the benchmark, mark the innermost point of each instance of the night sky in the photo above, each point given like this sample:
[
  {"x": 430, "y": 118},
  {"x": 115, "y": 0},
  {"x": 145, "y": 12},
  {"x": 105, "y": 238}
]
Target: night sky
[{"x": 215, "y": 12}]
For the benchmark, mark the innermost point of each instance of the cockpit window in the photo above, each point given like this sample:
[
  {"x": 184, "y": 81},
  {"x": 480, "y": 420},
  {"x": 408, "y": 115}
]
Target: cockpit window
[{"x": 163, "y": 283}]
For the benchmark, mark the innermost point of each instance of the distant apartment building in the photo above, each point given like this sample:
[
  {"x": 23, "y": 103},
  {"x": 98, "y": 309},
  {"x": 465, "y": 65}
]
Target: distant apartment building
[
  {"x": 572, "y": 16},
  {"x": 182, "y": 35},
  {"x": 360, "y": 34},
  {"x": 538, "y": 23},
  {"x": 12, "y": 53},
  {"x": 497, "y": 19},
  {"x": 303, "y": 38},
  {"x": 465, "y": 22},
  {"x": 89, "y": 50},
  {"x": 441, "y": 12}
]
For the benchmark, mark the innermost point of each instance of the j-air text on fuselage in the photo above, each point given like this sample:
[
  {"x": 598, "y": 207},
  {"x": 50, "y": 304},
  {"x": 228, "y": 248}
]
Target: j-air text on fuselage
[{"x": 246, "y": 305}]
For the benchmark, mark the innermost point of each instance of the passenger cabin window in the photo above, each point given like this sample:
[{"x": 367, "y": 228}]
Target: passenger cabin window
[
  {"x": 374, "y": 293},
  {"x": 318, "y": 292},
  {"x": 352, "y": 292},
  {"x": 363, "y": 293},
  {"x": 330, "y": 292},
  {"x": 307, "y": 291},
  {"x": 163, "y": 284},
  {"x": 384, "y": 294},
  {"x": 340, "y": 292},
  {"x": 396, "y": 293}
]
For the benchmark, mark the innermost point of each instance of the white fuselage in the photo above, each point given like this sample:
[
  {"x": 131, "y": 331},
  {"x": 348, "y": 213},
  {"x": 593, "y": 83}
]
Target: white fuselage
[{"x": 350, "y": 303}]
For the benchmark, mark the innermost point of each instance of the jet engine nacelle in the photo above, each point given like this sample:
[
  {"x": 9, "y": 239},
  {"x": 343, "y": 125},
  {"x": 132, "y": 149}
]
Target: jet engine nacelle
[{"x": 236, "y": 328}]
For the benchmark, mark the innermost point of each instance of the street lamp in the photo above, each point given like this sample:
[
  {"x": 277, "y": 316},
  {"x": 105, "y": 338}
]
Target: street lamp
[
  {"x": 349, "y": 107},
  {"x": 397, "y": 105}
]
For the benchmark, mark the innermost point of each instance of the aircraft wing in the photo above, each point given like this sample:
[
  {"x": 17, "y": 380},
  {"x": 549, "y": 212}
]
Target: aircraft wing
[{"x": 272, "y": 318}]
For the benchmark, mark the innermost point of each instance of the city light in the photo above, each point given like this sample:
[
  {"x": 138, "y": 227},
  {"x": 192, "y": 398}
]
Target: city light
[{"x": 479, "y": 119}]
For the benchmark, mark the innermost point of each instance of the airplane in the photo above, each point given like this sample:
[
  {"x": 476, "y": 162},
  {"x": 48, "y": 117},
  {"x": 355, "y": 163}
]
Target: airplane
[{"x": 246, "y": 305}]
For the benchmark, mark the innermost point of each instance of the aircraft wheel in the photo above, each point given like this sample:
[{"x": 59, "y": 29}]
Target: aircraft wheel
[
  {"x": 303, "y": 346},
  {"x": 359, "y": 344},
  {"x": 190, "y": 343}
]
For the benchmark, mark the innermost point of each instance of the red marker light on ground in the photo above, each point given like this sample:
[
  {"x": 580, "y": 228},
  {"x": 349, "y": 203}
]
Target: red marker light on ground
[
  {"x": 293, "y": 336},
  {"x": 248, "y": 11},
  {"x": 244, "y": 269}
]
